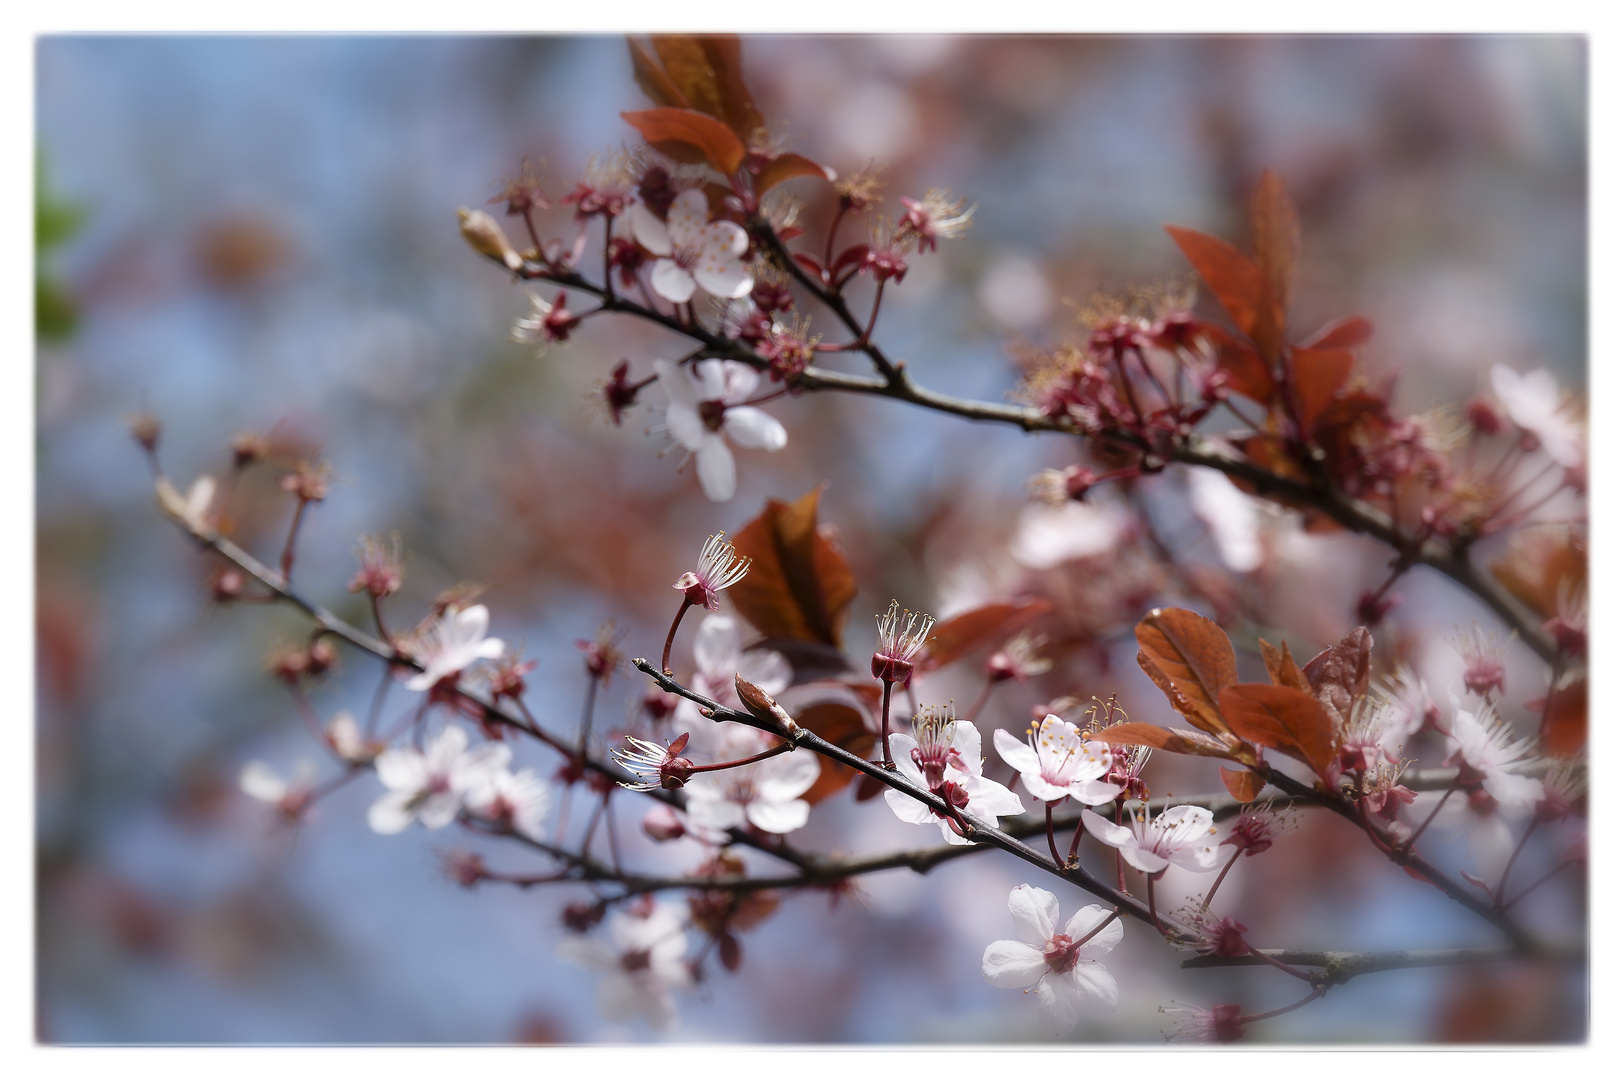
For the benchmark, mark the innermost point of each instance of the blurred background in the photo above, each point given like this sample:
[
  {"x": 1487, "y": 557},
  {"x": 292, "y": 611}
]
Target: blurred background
[{"x": 258, "y": 234}]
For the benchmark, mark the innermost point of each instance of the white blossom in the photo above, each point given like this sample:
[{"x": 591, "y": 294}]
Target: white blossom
[
  {"x": 765, "y": 794},
  {"x": 943, "y": 755},
  {"x": 694, "y": 250},
  {"x": 517, "y": 800},
  {"x": 642, "y": 964},
  {"x": 1181, "y": 835},
  {"x": 430, "y": 785},
  {"x": 452, "y": 644},
  {"x": 1534, "y": 403},
  {"x": 1056, "y": 967},
  {"x": 707, "y": 409},
  {"x": 1055, "y": 762},
  {"x": 1483, "y": 743}
]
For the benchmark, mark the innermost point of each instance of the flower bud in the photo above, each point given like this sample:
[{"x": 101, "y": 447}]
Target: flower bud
[{"x": 485, "y": 236}]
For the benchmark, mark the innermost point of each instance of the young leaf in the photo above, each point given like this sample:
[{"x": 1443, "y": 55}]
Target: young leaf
[
  {"x": 1540, "y": 563},
  {"x": 1247, "y": 374},
  {"x": 1339, "y": 675},
  {"x": 1282, "y": 669},
  {"x": 1317, "y": 374},
  {"x": 1286, "y": 719},
  {"x": 787, "y": 167},
  {"x": 658, "y": 85},
  {"x": 1233, "y": 278},
  {"x": 1190, "y": 658},
  {"x": 684, "y": 59},
  {"x": 1277, "y": 236},
  {"x": 670, "y": 130},
  {"x": 800, "y": 584},
  {"x": 987, "y": 625},
  {"x": 1160, "y": 738},
  {"x": 737, "y": 108},
  {"x": 843, "y": 726},
  {"x": 1565, "y": 728},
  {"x": 1244, "y": 786},
  {"x": 1348, "y": 333}
]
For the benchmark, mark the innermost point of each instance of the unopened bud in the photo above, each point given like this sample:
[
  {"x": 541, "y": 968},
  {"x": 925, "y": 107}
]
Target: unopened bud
[
  {"x": 581, "y": 917},
  {"x": 248, "y": 448},
  {"x": 890, "y": 669},
  {"x": 146, "y": 429},
  {"x": 321, "y": 657},
  {"x": 762, "y": 706},
  {"x": 485, "y": 236}
]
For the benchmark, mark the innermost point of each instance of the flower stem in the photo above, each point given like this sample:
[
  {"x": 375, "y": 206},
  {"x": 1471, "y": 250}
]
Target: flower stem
[
  {"x": 1053, "y": 847},
  {"x": 884, "y": 723},
  {"x": 1318, "y": 992},
  {"x": 1455, "y": 786},
  {"x": 1281, "y": 965},
  {"x": 1556, "y": 869},
  {"x": 292, "y": 538},
  {"x": 980, "y": 702},
  {"x": 781, "y": 748},
  {"x": 1155, "y": 920},
  {"x": 665, "y": 657},
  {"x": 1221, "y": 875},
  {"x": 1504, "y": 875},
  {"x": 588, "y": 707}
]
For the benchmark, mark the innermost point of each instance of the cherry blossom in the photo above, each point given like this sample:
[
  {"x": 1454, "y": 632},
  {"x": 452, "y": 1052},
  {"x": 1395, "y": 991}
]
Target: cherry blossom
[
  {"x": 1181, "y": 835},
  {"x": 1487, "y": 826},
  {"x": 691, "y": 252},
  {"x": 1534, "y": 403},
  {"x": 430, "y": 785},
  {"x": 943, "y": 756},
  {"x": 719, "y": 656},
  {"x": 706, "y": 410},
  {"x": 765, "y": 794},
  {"x": 345, "y": 738},
  {"x": 546, "y": 323},
  {"x": 452, "y": 644},
  {"x": 191, "y": 509},
  {"x": 1055, "y": 762},
  {"x": 1060, "y": 969},
  {"x": 934, "y": 218},
  {"x": 289, "y": 797},
  {"x": 516, "y": 800},
  {"x": 653, "y": 765},
  {"x": 1486, "y": 748},
  {"x": 1219, "y": 1024},
  {"x": 902, "y": 634},
  {"x": 642, "y": 964},
  {"x": 720, "y": 567}
]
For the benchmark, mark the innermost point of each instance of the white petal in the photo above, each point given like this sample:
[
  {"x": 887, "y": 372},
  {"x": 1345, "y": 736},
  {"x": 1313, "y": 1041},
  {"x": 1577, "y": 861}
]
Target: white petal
[
  {"x": 778, "y": 817},
  {"x": 716, "y": 646},
  {"x": 1512, "y": 791},
  {"x": 1093, "y": 990},
  {"x": 686, "y": 218},
  {"x": 713, "y": 811},
  {"x": 738, "y": 381},
  {"x": 1058, "y": 1011},
  {"x": 682, "y": 421},
  {"x": 1012, "y": 965},
  {"x": 966, "y": 739},
  {"x": 439, "y": 810},
  {"x": 402, "y": 770},
  {"x": 712, "y": 376},
  {"x": 1140, "y": 859},
  {"x": 587, "y": 952},
  {"x": 749, "y": 426},
  {"x": 726, "y": 241},
  {"x": 988, "y": 798},
  {"x": 717, "y": 473},
  {"x": 671, "y": 281},
  {"x": 1095, "y": 792},
  {"x": 649, "y": 230},
  {"x": 676, "y": 383},
  {"x": 1015, "y": 753},
  {"x": 730, "y": 281},
  {"x": 1087, "y": 920},
  {"x": 391, "y": 814},
  {"x": 1036, "y": 914},
  {"x": 787, "y": 777},
  {"x": 908, "y": 809},
  {"x": 469, "y": 624},
  {"x": 1117, "y": 836}
]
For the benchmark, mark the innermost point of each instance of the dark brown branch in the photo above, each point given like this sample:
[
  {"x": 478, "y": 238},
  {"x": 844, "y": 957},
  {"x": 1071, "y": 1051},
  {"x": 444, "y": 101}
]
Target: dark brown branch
[{"x": 1339, "y": 967}]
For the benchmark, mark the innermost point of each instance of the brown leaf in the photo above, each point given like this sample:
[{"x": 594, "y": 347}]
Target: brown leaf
[
  {"x": 845, "y": 727},
  {"x": 1246, "y": 372},
  {"x": 1160, "y": 738},
  {"x": 987, "y": 625},
  {"x": 737, "y": 107},
  {"x": 1277, "y": 236},
  {"x": 1339, "y": 675},
  {"x": 1190, "y": 658},
  {"x": 787, "y": 167},
  {"x": 1348, "y": 333},
  {"x": 1317, "y": 374},
  {"x": 1540, "y": 562},
  {"x": 1244, "y": 786},
  {"x": 1233, "y": 278},
  {"x": 655, "y": 82},
  {"x": 1565, "y": 728},
  {"x": 685, "y": 60},
  {"x": 799, "y": 584},
  {"x": 1281, "y": 717},
  {"x": 669, "y": 130},
  {"x": 1282, "y": 669}
]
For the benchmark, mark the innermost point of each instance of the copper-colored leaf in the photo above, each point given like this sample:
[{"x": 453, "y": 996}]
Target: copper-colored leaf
[
  {"x": 1160, "y": 738},
  {"x": 1244, "y": 786},
  {"x": 1317, "y": 374},
  {"x": 737, "y": 108},
  {"x": 1233, "y": 278},
  {"x": 990, "y": 624},
  {"x": 685, "y": 60},
  {"x": 1190, "y": 658},
  {"x": 668, "y": 129},
  {"x": 653, "y": 79},
  {"x": 1283, "y": 718},
  {"x": 787, "y": 167},
  {"x": 1566, "y": 720},
  {"x": 1348, "y": 333},
  {"x": 1246, "y": 372},
  {"x": 1277, "y": 236},
  {"x": 1282, "y": 669},
  {"x": 843, "y": 726},
  {"x": 1540, "y": 563},
  {"x": 799, "y": 584},
  {"x": 1339, "y": 675}
]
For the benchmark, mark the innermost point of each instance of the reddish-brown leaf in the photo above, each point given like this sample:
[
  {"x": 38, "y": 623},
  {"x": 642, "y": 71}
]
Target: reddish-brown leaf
[
  {"x": 1317, "y": 374},
  {"x": 1286, "y": 719},
  {"x": 787, "y": 167},
  {"x": 1339, "y": 675},
  {"x": 799, "y": 584},
  {"x": 1233, "y": 278},
  {"x": 737, "y": 107},
  {"x": 1348, "y": 333},
  {"x": 668, "y": 130},
  {"x": 1246, "y": 372},
  {"x": 1160, "y": 738},
  {"x": 658, "y": 85},
  {"x": 1190, "y": 658},
  {"x": 1540, "y": 563},
  {"x": 1244, "y": 786},
  {"x": 843, "y": 726},
  {"x": 962, "y": 634},
  {"x": 1282, "y": 669},
  {"x": 685, "y": 60},
  {"x": 1277, "y": 236},
  {"x": 1565, "y": 728}
]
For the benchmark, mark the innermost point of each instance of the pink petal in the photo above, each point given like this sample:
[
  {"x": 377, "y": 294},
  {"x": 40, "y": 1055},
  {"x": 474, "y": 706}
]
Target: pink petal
[
  {"x": 1012, "y": 965},
  {"x": 717, "y": 474},
  {"x": 672, "y": 282}
]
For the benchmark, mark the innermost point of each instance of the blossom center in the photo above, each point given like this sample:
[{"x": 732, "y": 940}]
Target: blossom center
[
  {"x": 711, "y": 414},
  {"x": 1062, "y": 953}
]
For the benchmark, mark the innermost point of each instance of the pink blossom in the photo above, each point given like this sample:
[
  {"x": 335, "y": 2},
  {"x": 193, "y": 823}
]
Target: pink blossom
[
  {"x": 1055, "y": 762},
  {"x": 719, "y": 568},
  {"x": 642, "y": 964},
  {"x": 765, "y": 794},
  {"x": 452, "y": 644},
  {"x": 1534, "y": 403},
  {"x": 429, "y": 785},
  {"x": 691, "y": 252},
  {"x": 709, "y": 404},
  {"x": 943, "y": 756},
  {"x": 1181, "y": 835}
]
